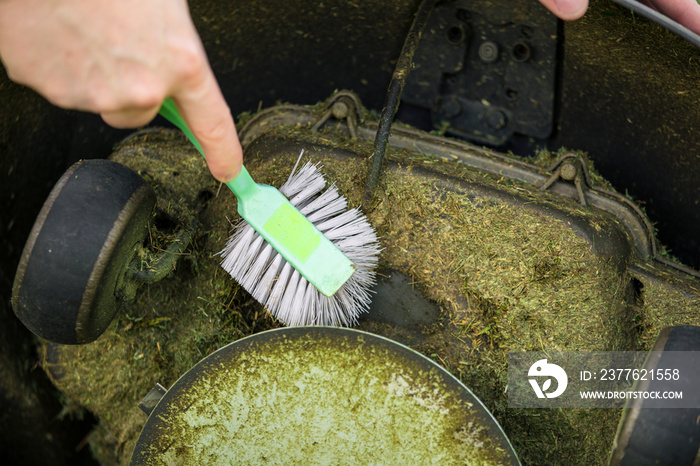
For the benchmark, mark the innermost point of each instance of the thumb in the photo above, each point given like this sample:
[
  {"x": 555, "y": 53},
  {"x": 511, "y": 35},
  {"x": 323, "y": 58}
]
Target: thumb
[{"x": 205, "y": 111}]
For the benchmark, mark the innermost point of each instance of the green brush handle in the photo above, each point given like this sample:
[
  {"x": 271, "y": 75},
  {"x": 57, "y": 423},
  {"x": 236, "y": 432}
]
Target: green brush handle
[
  {"x": 242, "y": 184},
  {"x": 291, "y": 234}
]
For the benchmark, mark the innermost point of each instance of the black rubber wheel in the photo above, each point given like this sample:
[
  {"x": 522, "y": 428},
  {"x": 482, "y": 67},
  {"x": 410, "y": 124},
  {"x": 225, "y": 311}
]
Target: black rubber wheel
[
  {"x": 662, "y": 436},
  {"x": 68, "y": 282}
]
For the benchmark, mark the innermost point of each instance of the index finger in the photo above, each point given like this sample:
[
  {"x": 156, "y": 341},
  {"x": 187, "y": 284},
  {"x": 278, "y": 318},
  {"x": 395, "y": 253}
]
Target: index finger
[{"x": 204, "y": 109}]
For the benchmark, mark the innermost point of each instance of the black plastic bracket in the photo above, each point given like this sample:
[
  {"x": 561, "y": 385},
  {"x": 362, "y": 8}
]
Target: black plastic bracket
[{"x": 486, "y": 76}]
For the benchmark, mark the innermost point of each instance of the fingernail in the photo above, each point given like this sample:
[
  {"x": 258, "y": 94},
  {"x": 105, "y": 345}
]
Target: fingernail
[
  {"x": 231, "y": 175},
  {"x": 571, "y": 9}
]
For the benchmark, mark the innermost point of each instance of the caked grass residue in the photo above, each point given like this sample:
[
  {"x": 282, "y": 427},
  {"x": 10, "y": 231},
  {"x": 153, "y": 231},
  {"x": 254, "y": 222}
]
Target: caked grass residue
[
  {"x": 505, "y": 273},
  {"x": 341, "y": 399},
  {"x": 507, "y": 277},
  {"x": 664, "y": 299},
  {"x": 172, "y": 324}
]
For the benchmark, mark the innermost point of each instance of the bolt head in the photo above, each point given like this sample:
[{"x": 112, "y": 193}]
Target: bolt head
[
  {"x": 568, "y": 171},
  {"x": 340, "y": 110},
  {"x": 488, "y": 52}
]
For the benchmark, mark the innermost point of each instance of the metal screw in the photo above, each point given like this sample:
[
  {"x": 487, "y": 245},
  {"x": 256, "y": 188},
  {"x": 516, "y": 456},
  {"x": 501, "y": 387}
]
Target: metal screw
[
  {"x": 488, "y": 52},
  {"x": 568, "y": 171},
  {"x": 340, "y": 110},
  {"x": 570, "y": 167}
]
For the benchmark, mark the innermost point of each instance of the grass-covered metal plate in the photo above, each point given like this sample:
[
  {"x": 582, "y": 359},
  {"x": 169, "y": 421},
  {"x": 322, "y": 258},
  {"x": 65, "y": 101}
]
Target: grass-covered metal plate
[{"x": 320, "y": 395}]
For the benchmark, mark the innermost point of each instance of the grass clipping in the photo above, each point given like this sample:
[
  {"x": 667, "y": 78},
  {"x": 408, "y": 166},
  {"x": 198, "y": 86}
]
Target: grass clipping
[{"x": 505, "y": 272}]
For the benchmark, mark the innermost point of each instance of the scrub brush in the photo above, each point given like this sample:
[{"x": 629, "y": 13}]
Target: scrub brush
[
  {"x": 280, "y": 288},
  {"x": 304, "y": 255}
]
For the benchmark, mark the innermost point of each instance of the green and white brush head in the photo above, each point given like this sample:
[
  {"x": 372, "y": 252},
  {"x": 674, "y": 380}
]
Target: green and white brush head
[
  {"x": 306, "y": 271},
  {"x": 278, "y": 286}
]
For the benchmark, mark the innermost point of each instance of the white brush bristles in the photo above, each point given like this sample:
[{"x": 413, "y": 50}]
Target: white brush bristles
[{"x": 278, "y": 286}]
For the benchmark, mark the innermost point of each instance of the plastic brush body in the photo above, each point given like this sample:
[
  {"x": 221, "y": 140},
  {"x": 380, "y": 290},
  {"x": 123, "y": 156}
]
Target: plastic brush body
[{"x": 276, "y": 219}]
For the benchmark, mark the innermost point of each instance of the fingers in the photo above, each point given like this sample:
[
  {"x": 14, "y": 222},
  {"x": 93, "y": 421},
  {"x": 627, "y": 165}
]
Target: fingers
[
  {"x": 121, "y": 59},
  {"x": 684, "y": 12},
  {"x": 205, "y": 111},
  {"x": 566, "y": 9},
  {"x": 130, "y": 117}
]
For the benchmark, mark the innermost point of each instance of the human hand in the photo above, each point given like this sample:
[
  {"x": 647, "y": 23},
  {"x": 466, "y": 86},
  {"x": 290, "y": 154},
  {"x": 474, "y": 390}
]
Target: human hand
[
  {"x": 121, "y": 59},
  {"x": 684, "y": 12},
  {"x": 566, "y": 9}
]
